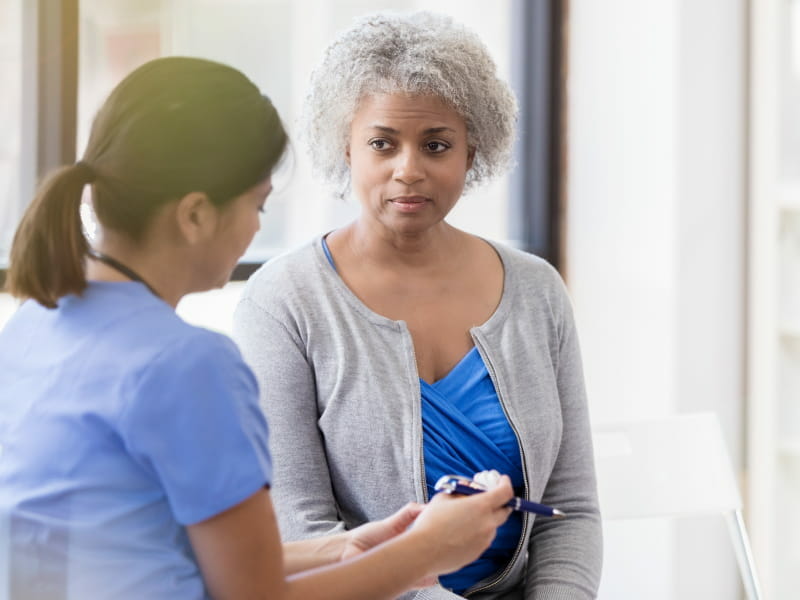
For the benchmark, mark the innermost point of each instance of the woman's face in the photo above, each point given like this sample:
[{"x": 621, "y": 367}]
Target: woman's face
[
  {"x": 237, "y": 225},
  {"x": 408, "y": 158}
]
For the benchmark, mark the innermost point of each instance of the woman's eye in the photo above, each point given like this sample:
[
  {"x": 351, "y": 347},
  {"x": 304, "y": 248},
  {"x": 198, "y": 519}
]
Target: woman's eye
[
  {"x": 436, "y": 147},
  {"x": 379, "y": 144}
]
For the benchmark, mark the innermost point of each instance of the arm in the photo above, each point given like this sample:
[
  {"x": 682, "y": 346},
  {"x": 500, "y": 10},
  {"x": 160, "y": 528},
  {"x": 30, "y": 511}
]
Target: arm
[
  {"x": 566, "y": 555},
  {"x": 308, "y": 554},
  {"x": 302, "y": 489},
  {"x": 240, "y": 555}
]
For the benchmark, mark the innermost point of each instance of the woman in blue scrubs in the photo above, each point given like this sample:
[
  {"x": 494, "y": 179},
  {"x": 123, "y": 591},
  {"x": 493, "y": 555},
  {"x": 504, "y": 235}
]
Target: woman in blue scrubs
[{"x": 134, "y": 459}]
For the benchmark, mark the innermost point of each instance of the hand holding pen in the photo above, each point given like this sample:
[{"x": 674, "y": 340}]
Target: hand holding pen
[{"x": 458, "y": 484}]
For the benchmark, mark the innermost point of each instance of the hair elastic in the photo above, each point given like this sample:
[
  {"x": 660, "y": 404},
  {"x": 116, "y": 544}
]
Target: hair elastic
[{"x": 86, "y": 170}]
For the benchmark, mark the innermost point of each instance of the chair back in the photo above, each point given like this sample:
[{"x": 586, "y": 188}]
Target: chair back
[{"x": 672, "y": 466}]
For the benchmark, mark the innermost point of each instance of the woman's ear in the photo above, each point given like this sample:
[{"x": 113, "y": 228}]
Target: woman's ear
[
  {"x": 470, "y": 157},
  {"x": 196, "y": 217},
  {"x": 347, "y": 154}
]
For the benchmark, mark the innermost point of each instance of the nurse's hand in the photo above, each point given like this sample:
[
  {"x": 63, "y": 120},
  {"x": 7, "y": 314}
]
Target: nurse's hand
[
  {"x": 459, "y": 528},
  {"x": 372, "y": 534},
  {"x": 452, "y": 531}
]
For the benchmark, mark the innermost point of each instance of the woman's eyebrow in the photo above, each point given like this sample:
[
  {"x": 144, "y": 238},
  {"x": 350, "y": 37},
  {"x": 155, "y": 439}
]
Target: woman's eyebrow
[
  {"x": 439, "y": 130},
  {"x": 428, "y": 131}
]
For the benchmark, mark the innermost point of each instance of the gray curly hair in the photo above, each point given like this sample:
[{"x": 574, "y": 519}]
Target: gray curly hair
[{"x": 418, "y": 53}]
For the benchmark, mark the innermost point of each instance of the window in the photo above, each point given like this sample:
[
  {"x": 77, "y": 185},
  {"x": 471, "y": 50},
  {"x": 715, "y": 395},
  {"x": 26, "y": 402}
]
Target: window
[
  {"x": 277, "y": 45},
  {"x": 92, "y": 44},
  {"x": 12, "y": 164}
]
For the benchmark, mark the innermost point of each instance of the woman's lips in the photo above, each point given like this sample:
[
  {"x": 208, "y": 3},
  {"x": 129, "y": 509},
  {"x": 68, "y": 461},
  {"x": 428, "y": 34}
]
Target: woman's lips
[{"x": 409, "y": 204}]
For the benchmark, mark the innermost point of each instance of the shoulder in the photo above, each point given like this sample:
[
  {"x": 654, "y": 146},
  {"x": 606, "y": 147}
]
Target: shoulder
[
  {"x": 297, "y": 290},
  {"x": 530, "y": 274},
  {"x": 289, "y": 277},
  {"x": 156, "y": 334},
  {"x": 162, "y": 350},
  {"x": 190, "y": 367},
  {"x": 534, "y": 294},
  {"x": 194, "y": 349}
]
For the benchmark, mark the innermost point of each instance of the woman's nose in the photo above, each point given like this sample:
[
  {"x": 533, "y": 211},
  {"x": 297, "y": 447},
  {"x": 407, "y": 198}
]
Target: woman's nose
[{"x": 409, "y": 168}]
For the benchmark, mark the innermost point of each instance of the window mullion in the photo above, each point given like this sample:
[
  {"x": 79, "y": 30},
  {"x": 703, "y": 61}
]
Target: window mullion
[{"x": 57, "y": 83}]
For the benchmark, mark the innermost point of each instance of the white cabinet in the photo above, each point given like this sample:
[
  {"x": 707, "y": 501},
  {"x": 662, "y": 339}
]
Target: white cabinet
[{"x": 773, "y": 425}]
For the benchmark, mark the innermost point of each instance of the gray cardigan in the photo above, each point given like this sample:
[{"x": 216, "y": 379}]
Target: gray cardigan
[{"x": 340, "y": 389}]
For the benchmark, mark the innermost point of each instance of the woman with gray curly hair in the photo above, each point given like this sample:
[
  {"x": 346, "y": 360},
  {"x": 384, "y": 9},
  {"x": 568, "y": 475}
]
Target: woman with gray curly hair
[{"x": 399, "y": 348}]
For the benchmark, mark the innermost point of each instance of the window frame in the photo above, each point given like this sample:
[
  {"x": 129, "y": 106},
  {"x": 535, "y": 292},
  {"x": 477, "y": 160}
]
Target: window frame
[
  {"x": 49, "y": 129},
  {"x": 536, "y": 212},
  {"x": 538, "y": 78}
]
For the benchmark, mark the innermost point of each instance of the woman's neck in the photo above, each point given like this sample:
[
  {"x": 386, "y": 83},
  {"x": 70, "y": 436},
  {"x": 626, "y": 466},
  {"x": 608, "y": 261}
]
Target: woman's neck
[
  {"x": 434, "y": 248},
  {"x": 153, "y": 267}
]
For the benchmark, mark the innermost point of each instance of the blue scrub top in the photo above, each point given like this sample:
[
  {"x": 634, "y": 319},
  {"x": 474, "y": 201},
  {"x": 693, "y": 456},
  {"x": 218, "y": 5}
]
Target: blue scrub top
[{"x": 119, "y": 425}]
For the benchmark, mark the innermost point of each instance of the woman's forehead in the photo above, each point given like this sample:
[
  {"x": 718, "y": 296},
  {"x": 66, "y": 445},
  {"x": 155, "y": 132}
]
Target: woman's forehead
[{"x": 378, "y": 110}]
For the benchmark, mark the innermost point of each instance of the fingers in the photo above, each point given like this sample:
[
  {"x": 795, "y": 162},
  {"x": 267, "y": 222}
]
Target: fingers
[
  {"x": 404, "y": 517},
  {"x": 503, "y": 488},
  {"x": 460, "y": 527},
  {"x": 496, "y": 499},
  {"x": 464, "y": 526},
  {"x": 502, "y": 493}
]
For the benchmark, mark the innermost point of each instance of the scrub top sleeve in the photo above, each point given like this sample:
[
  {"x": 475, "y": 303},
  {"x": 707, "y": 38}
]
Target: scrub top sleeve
[{"x": 192, "y": 420}]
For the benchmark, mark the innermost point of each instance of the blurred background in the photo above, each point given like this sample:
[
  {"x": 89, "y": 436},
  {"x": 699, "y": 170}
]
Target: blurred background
[{"x": 658, "y": 167}]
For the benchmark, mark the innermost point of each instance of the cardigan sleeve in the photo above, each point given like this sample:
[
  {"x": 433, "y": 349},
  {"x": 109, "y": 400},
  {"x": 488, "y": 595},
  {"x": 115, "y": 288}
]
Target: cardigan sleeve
[
  {"x": 565, "y": 556},
  {"x": 301, "y": 488}
]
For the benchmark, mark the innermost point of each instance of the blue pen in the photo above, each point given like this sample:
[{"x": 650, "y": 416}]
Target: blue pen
[{"x": 458, "y": 484}]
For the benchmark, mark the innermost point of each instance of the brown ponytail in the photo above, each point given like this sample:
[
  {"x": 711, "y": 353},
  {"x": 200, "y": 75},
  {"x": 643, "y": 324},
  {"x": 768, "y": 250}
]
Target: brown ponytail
[
  {"x": 49, "y": 248},
  {"x": 174, "y": 125}
]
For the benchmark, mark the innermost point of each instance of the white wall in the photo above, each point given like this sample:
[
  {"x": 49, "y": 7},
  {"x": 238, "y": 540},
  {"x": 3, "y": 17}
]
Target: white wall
[
  {"x": 655, "y": 238},
  {"x": 7, "y": 307},
  {"x": 212, "y": 309}
]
